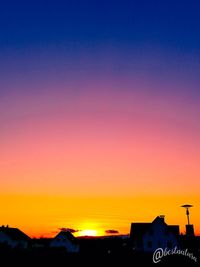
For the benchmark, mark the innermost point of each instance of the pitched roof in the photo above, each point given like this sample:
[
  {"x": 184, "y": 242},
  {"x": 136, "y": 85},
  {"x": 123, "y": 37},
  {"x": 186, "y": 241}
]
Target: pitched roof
[
  {"x": 14, "y": 233},
  {"x": 139, "y": 229},
  {"x": 68, "y": 235},
  {"x": 159, "y": 219}
]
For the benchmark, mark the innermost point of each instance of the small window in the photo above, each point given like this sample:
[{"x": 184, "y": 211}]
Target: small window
[{"x": 149, "y": 244}]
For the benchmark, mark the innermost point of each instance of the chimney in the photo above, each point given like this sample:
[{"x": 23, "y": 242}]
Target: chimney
[{"x": 162, "y": 218}]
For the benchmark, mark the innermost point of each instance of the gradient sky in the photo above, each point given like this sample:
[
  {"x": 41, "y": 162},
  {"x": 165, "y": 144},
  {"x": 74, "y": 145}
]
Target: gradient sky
[{"x": 99, "y": 113}]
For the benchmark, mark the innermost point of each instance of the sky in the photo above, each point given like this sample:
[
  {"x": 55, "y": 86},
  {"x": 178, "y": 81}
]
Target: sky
[{"x": 99, "y": 114}]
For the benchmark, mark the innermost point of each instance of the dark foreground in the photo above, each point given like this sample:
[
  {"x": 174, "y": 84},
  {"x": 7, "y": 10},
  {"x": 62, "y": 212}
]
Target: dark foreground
[{"x": 59, "y": 258}]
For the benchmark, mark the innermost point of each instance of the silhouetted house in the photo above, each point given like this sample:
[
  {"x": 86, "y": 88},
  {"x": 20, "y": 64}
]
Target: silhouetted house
[
  {"x": 66, "y": 240},
  {"x": 148, "y": 237},
  {"x": 13, "y": 237}
]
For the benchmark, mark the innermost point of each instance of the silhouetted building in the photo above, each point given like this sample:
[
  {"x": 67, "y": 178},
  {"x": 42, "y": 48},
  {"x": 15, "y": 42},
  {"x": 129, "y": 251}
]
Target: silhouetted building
[
  {"x": 67, "y": 240},
  {"x": 13, "y": 237},
  {"x": 147, "y": 237},
  {"x": 189, "y": 230}
]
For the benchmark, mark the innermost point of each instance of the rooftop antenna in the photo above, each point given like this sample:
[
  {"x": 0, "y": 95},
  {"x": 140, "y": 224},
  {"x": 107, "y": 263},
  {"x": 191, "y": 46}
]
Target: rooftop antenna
[{"x": 187, "y": 207}]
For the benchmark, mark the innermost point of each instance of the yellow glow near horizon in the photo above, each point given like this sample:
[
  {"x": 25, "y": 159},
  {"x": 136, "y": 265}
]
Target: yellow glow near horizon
[
  {"x": 90, "y": 228},
  {"x": 45, "y": 215},
  {"x": 88, "y": 232}
]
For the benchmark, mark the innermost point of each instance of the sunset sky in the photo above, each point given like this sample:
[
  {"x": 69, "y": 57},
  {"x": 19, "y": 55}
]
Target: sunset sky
[{"x": 99, "y": 114}]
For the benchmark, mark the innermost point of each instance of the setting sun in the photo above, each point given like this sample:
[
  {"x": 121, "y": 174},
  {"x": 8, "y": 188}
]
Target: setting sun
[
  {"x": 89, "y": 228},
  {"x": 88, "y": 232}
]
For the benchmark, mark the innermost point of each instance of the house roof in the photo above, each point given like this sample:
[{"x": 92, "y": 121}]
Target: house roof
[
  {"x": 67, "y": 235},
  {"x": 14, "y": 233},
  {"x": 174, "y": 229},
  {"x": 139, "y": 229}
]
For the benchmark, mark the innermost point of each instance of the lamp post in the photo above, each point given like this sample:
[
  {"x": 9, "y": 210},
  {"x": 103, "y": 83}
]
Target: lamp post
[{"x": 187, "y": 207}]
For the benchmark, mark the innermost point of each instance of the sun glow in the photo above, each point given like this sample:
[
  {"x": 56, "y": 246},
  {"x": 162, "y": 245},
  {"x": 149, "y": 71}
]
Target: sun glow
[
  {"x": 89, "y": 228},
  {"x": 88, "y": 232}
]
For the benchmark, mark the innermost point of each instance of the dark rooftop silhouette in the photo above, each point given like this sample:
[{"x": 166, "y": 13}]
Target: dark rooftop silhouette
[{"x": 14, "y": 233}]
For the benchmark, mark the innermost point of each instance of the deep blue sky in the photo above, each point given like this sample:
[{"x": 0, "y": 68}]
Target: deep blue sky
[
  {"x": 166, "y": 24},
  {"x": 58, "y": 38}
]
